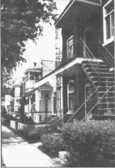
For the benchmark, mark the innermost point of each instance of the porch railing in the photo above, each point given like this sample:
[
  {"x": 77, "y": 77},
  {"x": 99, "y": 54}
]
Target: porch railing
[{"x": 40, "y": 116}]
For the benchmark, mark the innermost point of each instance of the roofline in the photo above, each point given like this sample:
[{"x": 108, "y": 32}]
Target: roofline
[
  {"x": 70, "y": 4},
  {"x": 64, "y": 11},
  {"x": 29, "y": 69}
]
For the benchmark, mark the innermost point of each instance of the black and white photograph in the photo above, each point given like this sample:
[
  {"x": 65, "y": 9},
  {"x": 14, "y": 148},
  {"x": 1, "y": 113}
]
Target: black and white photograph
[{"x": 57, "y": 83}]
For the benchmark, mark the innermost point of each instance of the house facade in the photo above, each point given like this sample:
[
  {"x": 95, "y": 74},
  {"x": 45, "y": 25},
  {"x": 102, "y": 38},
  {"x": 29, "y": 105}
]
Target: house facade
[
  {"x": 85, "y": 77},
  {"x": 16, "y": 93},
  {"x": 5, "y": 99},
  {"x": 40, "y": 96}
]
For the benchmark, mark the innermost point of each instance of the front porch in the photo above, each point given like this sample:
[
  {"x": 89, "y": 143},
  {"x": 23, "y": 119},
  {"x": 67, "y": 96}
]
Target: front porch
[{"x": 40, "y": 104}]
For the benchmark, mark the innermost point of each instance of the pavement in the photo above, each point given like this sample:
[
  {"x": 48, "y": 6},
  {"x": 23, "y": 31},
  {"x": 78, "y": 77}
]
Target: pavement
[{"x": 16, "y": 152}]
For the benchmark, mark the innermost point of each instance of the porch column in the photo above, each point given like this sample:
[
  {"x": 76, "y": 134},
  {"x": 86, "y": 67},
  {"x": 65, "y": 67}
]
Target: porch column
[
  {"x": 37, "y": 100},
  {"x": 64, "y": 95},
  {"x": 62, "y": 108},
  {"x": 77, "y": 88},
  {"x": 30, "y": 104}
]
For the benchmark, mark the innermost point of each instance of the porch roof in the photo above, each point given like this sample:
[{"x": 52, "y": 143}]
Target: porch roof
[
  {"x": 76, "y": 9},
  {"x": 45, "y": 86},
  {"x": 59, "y": 70}
]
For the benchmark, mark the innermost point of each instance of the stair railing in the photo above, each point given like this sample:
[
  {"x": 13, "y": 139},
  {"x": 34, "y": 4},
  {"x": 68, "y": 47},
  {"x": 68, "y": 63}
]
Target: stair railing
[
  {"x": 59, "y": 118},
  {"x": 97, "y": 103},
  {"x": 82, "y": 105},
  {"x": 106, "y": 54},
  {"x": 90, "y": 55}
]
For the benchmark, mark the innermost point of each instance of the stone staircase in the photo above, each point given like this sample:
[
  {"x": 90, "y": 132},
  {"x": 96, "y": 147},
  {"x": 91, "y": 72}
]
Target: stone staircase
[{"x": 100, "y": 76}]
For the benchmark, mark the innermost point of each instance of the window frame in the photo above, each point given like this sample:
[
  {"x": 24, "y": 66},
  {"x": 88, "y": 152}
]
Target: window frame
[
  {"x": 111, "y": 38},
  {"x": 68, "y": 96},
  {"x": 70, "y": 44}
]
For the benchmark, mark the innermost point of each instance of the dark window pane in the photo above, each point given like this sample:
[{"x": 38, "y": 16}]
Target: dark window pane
[
  {"x": 112, "y": 22},
  {"x": 107, "y": 27}
]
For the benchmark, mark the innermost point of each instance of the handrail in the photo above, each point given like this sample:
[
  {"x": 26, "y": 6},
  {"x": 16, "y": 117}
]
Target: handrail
[
  {"x": 56, "y": 120},
  {"x": 92, "y": 56},
  {"x": 97, "y": 102},
  {"x": 52, "y": 119},
  {"x": 89, "y": 50},
  {"x": 106, "y": 50},
  {"x": 76, "y": 111},
  {"x": 82, "y": 105},
  {"x": 103, "y": 51}
]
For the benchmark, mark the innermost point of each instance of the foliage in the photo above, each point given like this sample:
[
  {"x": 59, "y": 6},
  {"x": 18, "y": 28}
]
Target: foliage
[
  {"x": 21, "y": 20},
  {"x": 32, "y": 133},
  {"x": 90, "y": 144},
  {"x": 52, "y": 143}
]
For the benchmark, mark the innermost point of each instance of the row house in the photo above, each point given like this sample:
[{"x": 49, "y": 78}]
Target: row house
[
  {"x": 39, "y": 91},
  {"x": 16, "y": 93},
  {"x": 80, "y": 83},
  {"x": 5, "y": 99},
  {"x": 85, "y": 76}
]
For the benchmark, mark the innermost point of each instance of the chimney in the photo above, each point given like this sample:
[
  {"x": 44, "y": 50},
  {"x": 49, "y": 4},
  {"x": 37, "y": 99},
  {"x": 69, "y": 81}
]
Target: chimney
[{"x": 35, "y": 64}]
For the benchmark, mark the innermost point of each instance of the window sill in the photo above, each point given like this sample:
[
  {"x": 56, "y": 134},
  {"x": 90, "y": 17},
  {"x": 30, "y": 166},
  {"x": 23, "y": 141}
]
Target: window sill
[{"x": 108, "y": 41}]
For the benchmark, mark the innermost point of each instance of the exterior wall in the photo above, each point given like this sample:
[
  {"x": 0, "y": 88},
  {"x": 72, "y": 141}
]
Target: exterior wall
[{"x": 47, "y": 67}]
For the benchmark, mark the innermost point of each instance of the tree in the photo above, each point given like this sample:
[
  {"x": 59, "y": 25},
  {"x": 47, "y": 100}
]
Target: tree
[{"x": 20, "y": 21}]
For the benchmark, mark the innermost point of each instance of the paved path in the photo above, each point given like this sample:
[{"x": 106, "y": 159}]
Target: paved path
[{"x": 18, "y": 153}]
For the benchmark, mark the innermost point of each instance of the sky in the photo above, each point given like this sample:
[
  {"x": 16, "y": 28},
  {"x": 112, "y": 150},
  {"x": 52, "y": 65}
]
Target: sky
[{"x": 44, "y": 49}]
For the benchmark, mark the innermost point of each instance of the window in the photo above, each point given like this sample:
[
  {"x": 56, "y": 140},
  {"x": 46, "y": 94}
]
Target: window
[
  {"x": 71, "y": 97},
  {"x": 108, "y": 14},
  {"x": 17, "y": 91},
  {"x": 70, "y": 47},
  {"x": 58, "y": 80}
]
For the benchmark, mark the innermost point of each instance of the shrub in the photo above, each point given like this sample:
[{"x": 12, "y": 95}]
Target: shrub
[
  {"x": 32, "y": 133},
  {"x": 90, "y": 143},
  {"x": 52, "y": 143}
]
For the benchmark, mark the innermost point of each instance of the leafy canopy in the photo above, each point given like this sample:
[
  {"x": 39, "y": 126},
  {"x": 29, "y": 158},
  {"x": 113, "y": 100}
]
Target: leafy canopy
[{"x": 20, "y": 21}]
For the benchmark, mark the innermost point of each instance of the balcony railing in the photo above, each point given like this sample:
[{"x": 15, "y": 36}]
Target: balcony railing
[
  {"x": 29, "y": 84},
  {"x": 41, "y": 116}
]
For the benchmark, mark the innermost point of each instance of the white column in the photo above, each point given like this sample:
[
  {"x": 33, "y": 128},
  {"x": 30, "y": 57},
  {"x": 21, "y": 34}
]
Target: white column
[
  {"x": 30, "y": 104},
  {"x": 37, "y": 100}
]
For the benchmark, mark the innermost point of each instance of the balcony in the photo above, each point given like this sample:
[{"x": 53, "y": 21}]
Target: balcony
[
  {"x": 30, "y": 84},
  {"x": 41, "y": 116}
]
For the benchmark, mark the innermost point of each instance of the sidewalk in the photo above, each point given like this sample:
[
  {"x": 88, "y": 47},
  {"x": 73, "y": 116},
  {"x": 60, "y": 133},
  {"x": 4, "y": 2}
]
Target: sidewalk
[{"x": 18, "y": 153}]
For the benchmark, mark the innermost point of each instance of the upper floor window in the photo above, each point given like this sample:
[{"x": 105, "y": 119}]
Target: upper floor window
[
  {"x": 70, "y": 47},
  {"x": 17, "y": 91},
  {"x": 58, "y": 81},
  {"x": 108, "y": 24}
]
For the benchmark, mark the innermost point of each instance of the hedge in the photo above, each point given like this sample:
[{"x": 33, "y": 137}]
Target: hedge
[
  {"x": 32, "y": 133},
  {"x": 52, "y": 143},
  {"x": 90, "y": 144}
]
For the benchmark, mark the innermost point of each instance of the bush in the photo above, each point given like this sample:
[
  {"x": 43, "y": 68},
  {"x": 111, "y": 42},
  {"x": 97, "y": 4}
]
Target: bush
[
  {"x": 90, "y": 143},
  {"x": 52, "y": 143},
  {"x": 32, "y": 133}
]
